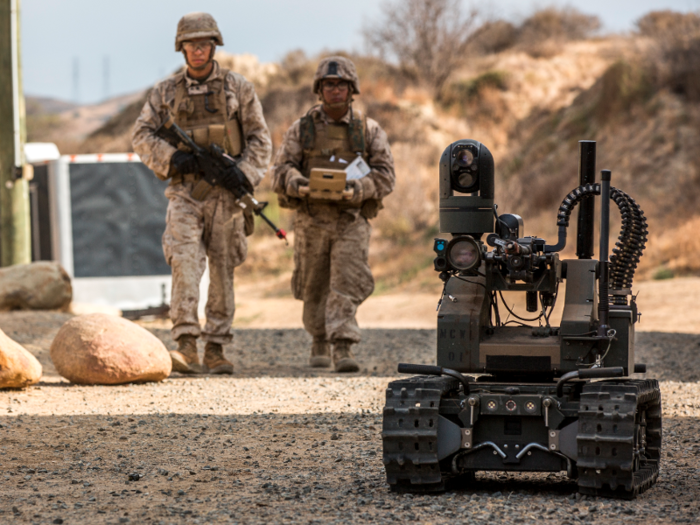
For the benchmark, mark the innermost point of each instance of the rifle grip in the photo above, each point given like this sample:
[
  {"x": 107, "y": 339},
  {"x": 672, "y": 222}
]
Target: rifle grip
[{"x": 201, "y": 190}]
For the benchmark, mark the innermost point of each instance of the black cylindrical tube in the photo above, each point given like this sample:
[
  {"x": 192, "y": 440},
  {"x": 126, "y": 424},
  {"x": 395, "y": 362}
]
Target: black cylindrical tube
[
  {"x": 409, "y": 368},
  {"x": 586, "y": 210},
  {"x": 603, "y": 293},
  {"x": 531, "y": 301}
]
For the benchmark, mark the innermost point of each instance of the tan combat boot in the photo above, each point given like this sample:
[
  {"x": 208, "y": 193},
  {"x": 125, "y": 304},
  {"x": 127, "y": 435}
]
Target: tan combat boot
[
  {"x": 214, "y": 360},
  {"x": 185, "y": 359},
  {"x": 320, "y": 353},
  {"x": 343, "y": 360}
]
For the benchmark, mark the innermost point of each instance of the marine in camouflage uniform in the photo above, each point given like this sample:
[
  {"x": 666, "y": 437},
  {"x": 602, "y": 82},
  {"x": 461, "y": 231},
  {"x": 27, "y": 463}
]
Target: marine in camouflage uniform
[
  {"x": 331, "y": 238},
  {"x": 213, "y": 105}
]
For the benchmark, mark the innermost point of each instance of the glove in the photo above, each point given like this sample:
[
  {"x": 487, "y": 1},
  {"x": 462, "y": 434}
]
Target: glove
[
  {"x": 364, "y": 189},
  {"x": 294, "y": 181},
  {"x": 184, "y": 162},
  {"x": 234, "y": 179}
]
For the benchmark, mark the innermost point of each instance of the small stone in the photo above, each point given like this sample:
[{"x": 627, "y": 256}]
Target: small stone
[{"x": 135, "y": 476}]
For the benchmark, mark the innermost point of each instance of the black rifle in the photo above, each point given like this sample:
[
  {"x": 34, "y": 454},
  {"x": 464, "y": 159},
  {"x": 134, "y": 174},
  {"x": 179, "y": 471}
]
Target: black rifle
[{"x": 216, "y": 166}]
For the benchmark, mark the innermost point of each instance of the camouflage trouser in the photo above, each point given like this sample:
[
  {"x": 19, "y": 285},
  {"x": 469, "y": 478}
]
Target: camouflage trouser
[
  {"x": 331, "y": 272},
  {"x": 195, "y": 231}
]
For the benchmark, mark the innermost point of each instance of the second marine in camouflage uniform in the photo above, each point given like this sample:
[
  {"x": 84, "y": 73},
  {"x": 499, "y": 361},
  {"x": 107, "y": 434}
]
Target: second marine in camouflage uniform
[
  {"x": 218, "y": 106},
  {"x": 331, "y": 238}
]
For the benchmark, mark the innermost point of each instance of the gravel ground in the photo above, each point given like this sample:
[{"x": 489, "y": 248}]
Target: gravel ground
[{"x": 279, "y": 442}]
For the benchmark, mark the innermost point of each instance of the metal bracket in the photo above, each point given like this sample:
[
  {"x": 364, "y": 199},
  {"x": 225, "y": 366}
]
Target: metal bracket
[
  {"x": 467, "y": 435},
  {"x": 527, "y": 448},
  {"x": 473, "y": 404},
  {"x": 496, "y": 449},
  {"x": 553, "y": 440}
]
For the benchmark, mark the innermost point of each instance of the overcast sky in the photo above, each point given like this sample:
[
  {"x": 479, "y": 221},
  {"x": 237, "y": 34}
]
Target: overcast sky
[{"x": 136, "y": 37}]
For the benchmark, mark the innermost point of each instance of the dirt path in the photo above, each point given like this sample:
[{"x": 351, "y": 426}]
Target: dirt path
[
  {"x": 666, "y": 306},
  {"x": 280, "y": 450},
  {"x": 281, "y": 443}
]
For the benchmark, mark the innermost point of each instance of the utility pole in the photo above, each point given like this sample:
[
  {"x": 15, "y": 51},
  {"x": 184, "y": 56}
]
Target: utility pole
[{"x": 15, "y": 236}]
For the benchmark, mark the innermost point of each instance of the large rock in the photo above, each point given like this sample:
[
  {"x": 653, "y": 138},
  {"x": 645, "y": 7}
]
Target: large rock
[
  {"x": 18, "y": 368},
  {"x": 43, "y": 285},
  {"x": 101, "y": 349}
]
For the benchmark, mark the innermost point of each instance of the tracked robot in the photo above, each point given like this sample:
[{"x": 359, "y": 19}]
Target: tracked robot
[{"x": 511, "y": 392}]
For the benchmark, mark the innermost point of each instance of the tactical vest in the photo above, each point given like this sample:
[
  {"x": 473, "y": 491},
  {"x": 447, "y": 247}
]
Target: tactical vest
[
  {"x": 201, "y": 111},
  {"x": 325, "y": 144},
  {"x": 322, "y": 141}
]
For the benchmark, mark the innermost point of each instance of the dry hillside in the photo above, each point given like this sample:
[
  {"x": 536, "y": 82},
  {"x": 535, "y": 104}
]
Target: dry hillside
[{"x": 529, "y": 92}]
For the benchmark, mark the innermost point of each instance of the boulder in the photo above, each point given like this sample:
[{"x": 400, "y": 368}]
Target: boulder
[
  {"x": 18, "y": 368},
  {"x": 101, "y": 349},
  {"x": 43, "y": 285}
]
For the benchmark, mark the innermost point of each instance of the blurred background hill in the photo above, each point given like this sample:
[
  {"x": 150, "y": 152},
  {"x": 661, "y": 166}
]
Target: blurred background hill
[{"x": 528, "y": 90}]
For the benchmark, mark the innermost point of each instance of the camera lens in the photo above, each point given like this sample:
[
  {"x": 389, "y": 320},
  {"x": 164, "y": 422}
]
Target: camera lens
[
  {"x": 464, "y": 254},
  {"x": 466, "y": 179},
  {"x": 464, "y": 158}
]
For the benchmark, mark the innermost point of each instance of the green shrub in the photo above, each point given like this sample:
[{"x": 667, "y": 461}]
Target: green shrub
[
  {"x": 661, "y": 273},
  {"x": 541, "y": 34},
  {"x": 494, "y": 37},
  {"x": 467, "y": 90},
  {"x": 677, "y": 58}
]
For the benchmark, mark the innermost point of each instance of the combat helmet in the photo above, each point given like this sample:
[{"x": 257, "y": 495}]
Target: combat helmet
[
  {"x": 197, "y": 25},
  {"x": 337, "y": 67}
]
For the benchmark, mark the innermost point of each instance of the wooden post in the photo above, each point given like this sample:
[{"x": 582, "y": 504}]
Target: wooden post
[{"x": 15, "y": 236}]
